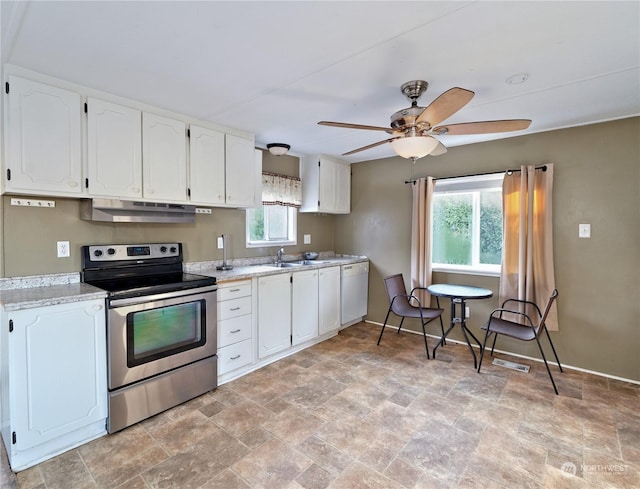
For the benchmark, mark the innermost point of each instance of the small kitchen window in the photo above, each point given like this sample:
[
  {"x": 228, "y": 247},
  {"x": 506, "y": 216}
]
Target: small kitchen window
[
  {"x": 467, "y": 225},
  {"x": 275, "y": 223}
]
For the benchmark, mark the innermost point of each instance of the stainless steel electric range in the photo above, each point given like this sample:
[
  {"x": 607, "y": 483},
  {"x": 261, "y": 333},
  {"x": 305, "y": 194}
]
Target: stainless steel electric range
[{"x": 161, "y": 328}]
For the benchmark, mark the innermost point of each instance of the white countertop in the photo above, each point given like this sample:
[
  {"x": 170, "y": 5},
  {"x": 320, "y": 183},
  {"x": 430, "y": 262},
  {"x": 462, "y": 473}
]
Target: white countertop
[
  {"x": 260, "y": 270},
  {"x": 47, "y": 290},
  {"x": 30, "y": 297}
]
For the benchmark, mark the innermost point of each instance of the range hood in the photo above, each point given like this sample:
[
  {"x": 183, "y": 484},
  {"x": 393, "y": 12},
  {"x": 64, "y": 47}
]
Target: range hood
[{"x": 113, "y": 210}]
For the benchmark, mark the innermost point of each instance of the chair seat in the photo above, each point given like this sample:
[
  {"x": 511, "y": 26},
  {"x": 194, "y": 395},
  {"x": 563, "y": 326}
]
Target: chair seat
[
  {"x": 509, "y": 328},
  {"x": 414, "y": 312}
]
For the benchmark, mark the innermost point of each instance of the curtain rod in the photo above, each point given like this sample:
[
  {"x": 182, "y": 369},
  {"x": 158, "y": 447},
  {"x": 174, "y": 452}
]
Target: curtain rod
[{"x": 543, "y": 168}]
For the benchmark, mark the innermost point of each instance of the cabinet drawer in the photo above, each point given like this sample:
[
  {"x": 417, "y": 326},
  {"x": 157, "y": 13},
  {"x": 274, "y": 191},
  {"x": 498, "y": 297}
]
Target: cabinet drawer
[
  {"x": 234, "y": 308},
  {"x": 234, "y": 291},
  {"x": 234, "y": 356},
  {"x": 233, "y": 330}
]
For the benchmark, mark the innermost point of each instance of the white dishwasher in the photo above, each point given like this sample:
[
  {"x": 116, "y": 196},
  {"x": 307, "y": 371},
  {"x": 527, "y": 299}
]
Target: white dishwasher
[{"x": 354, "y": 285}]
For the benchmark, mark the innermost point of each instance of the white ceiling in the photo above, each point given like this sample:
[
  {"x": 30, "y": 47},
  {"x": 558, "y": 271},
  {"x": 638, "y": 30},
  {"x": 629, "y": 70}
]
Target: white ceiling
[{"x": 277, "y": 68}]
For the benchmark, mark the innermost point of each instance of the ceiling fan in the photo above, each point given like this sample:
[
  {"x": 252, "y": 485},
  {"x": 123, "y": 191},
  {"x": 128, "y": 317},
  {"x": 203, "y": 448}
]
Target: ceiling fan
[{"x": 413, "y": 128}]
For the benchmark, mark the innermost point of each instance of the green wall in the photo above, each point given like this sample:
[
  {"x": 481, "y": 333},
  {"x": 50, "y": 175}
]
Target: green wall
[{"x": 596, "y": 181}]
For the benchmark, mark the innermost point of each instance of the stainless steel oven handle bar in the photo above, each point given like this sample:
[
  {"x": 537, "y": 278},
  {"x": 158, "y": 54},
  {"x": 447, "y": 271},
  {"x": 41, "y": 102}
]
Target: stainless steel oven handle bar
[{"x": 158, "y": 297}]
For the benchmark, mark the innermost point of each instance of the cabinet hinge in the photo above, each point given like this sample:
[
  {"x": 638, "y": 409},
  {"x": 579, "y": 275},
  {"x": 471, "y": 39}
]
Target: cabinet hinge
[
  {"x": 8, "y": 173},
  {"x": 86, "y": 108},
  {"x": 188, "y": 192},
  {"x": 14, "y": 438},
  {"x": 318, "y": 162},
  {"x": 318, "y": 203},
  {"x": 291, "y": 339},
  {"x": 86, "y": 183},
  {"x": 6, "y": 87},
  {"x": 188, "y": 133},
  {"x": 291, "y": 279},
  {"x": 10, "y": 325}
]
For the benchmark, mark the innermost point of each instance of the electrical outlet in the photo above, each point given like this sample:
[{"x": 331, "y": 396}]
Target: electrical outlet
[
  {"x": 307, "y": 239},
  {"x": 63, "y": 249},
  {"x": 584, "y": 230},
  {"x": 203, "y": 210},
  {"x": 466, "y": 311},
  {"x": 220, "y": 242}
]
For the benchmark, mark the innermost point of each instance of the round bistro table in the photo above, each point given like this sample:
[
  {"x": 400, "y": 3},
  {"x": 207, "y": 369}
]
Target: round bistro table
[{"x": 458, "y": 295}]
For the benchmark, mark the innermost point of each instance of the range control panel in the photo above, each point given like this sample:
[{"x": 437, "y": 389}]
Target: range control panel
[{"x": 134, "y": 252}]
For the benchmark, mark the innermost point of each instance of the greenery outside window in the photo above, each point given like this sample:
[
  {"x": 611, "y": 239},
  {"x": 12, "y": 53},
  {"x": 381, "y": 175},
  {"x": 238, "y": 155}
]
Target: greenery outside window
[
  {"x": 271, "y": 225},
  {"x": 467, "y": 225}
]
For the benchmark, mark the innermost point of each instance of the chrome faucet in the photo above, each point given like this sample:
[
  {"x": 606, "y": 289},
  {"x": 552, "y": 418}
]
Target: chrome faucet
[{"x": 279, "y": 255}]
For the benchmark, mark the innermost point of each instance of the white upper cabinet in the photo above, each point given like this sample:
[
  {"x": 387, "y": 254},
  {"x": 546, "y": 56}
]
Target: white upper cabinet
[
  {"x": 206, "y": 169},
  {"x": 326, "y": 185},
  {"x": 164, "y": 158},
  {"x": 43, "y": 139},
  {"x": 114, "y": 150},
  {"x": 240, "y": 172}
]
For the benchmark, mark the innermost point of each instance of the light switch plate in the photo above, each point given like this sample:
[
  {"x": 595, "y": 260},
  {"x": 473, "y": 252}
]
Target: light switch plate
[
  {"x": 307, "y": 239},
  {"x": 584, "y": 230}
]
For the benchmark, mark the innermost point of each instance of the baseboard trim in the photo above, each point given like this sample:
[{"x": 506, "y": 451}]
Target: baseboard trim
[{"x": 539, "y": 360}]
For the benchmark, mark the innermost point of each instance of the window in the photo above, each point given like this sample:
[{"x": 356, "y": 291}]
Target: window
[
  {"x": 271, "y": 225},
  {"x": 467, "y": 224}
]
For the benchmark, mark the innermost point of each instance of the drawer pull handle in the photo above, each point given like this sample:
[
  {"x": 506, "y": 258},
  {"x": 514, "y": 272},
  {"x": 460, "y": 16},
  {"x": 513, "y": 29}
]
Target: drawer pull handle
[
  {"x": 235, "y": 357},
  {"x": 235, "y": 331},
  {"x": 234, "y": 309},
  {"x": 234, "y": 290}
]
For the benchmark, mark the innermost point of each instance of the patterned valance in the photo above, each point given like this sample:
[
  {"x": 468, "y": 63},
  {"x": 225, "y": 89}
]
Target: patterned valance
[{"x": 281, "y": 190}]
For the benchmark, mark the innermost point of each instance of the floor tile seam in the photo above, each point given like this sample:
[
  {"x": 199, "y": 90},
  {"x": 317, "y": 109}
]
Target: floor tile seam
[
  {"x": 508, "y": 467},
  {"x": 86, "y": 468}
]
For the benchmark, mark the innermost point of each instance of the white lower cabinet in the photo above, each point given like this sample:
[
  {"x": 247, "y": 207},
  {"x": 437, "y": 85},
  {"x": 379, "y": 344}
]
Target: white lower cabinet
[
  {"x": 274, "y": 314},
  {"x": 235, "y": 314},
  {"x": 54, "y": 380},
  {"x": 304, "y": 306},
  {"x": 328, "y": 300}
]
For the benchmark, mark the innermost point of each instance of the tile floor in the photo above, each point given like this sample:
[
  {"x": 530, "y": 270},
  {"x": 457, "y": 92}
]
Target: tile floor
[{"x": 349, "y": 414}]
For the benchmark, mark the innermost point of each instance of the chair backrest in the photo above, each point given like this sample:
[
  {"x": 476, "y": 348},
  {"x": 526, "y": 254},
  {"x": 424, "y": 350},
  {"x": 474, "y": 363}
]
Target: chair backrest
[
  {"x": 395, "y": 286},
  {"x": 547, "y": 308}
]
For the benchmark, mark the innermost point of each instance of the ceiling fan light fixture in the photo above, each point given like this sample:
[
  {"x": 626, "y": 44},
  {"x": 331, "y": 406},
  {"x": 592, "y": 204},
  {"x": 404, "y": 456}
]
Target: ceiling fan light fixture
[
  {"x": 414, "y": 147},
  {"x": 278, "y": 149}
]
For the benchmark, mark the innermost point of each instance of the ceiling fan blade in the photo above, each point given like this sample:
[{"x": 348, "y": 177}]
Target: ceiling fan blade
[
  {"x": 485, "y": 127},
  {"x": 369, "y": 146},
  {"x": 355, "y": 126},
  {"x": 440, "y": 150},
  {"x": 445, "y": 106}
]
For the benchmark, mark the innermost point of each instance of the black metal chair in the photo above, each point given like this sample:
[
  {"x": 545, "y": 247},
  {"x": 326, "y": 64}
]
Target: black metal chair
[
  {"x": 525, "y": 332},
  {"x": 400, "y": 305}
]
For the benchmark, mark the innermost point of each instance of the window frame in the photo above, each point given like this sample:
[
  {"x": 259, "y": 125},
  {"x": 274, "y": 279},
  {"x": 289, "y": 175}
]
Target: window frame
[
  {"x": 292, "y": 229},
  {"x": 468, "y": 185}
]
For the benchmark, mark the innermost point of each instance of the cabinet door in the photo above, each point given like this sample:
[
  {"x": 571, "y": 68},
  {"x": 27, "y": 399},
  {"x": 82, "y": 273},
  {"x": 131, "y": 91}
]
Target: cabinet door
[
  {"x": 114, "y": 147},
  {"x": 206, "y": 169},
  {"x": 57, "y": 370},
  {"x": 304, "y": 306},
  {"x": 43, "y": 139},
  {"x": 164, "y": 158},
  {"x": 240, "y": 171},
  {"x": 329, "y": 299},
  {"x": 327, "y": 185},
  {"x": 274, "y": 314},
  {"x": 343, "y": 189}
]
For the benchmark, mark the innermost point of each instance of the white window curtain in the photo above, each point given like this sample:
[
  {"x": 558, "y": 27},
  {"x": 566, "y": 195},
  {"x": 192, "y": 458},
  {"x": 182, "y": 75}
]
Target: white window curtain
[
  {"x": 527, "y": 255},
  {"x": 281, "y": 190},
  {"x": 421, "y": 237}
]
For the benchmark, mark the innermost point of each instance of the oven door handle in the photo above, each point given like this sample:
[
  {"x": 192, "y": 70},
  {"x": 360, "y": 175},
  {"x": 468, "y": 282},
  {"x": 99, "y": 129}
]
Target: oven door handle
[{"x": 158, "y": 297}]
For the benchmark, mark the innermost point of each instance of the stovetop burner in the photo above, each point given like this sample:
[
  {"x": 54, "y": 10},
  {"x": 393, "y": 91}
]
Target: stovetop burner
[{"x": 138, "y": 270}]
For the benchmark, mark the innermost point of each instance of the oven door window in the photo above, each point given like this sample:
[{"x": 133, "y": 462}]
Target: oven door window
[{"x": 165, "y": 331}]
